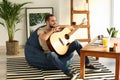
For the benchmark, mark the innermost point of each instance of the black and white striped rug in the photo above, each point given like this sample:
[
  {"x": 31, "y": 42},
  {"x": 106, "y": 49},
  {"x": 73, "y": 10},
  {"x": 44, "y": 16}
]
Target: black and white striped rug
[{"x": 18, "y": 69}]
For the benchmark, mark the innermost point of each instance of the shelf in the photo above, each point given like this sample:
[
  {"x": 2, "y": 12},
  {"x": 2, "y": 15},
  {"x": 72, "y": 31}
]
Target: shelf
[
  {"x": 83, "y": 26},
  {"x": 87, "y": 15},
  {"x": 80, "y": 12},
  {"x": 84, "y": 40}
]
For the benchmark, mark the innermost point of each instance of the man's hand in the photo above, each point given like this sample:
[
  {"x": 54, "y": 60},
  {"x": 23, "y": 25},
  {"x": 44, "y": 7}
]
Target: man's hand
[{"x": 56, "y": 29}]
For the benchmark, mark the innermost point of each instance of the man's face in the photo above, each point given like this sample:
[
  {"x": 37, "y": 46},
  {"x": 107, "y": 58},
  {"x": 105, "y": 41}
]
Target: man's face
[{"x": 52, "y": 22}]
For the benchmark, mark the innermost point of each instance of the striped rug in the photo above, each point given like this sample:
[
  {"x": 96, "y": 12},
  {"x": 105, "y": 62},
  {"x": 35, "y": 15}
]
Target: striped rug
[{"x": 18, "y": 69}]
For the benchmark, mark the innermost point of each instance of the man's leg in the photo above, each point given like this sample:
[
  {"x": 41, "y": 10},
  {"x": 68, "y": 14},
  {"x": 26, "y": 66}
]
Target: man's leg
[
  {"x": 58, "y": 62},
  {"x": 75, "y": 45}
]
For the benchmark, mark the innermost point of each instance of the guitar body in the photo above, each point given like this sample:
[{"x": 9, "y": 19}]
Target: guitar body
[{"x": 58, "y": 43}]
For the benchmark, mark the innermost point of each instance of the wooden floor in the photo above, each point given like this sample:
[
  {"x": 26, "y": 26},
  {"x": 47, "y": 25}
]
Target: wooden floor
[{"x": 18, "y": 69}]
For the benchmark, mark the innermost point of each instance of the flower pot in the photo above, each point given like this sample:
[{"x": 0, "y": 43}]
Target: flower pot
[{"x": 12, "y": 48}]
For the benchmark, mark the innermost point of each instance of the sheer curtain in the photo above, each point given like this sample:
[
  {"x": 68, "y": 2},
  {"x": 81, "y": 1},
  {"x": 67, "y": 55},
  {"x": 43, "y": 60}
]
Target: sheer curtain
[{"x": 116, "y": 14}]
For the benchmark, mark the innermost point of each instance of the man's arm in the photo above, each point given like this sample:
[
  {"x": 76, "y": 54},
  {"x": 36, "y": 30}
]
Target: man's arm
[
  {"x": 67, "y": 26},
  {"x": 45, "y": 35}
]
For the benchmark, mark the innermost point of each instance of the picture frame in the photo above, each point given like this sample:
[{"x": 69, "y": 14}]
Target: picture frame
[{"x": 35, "y": 17}]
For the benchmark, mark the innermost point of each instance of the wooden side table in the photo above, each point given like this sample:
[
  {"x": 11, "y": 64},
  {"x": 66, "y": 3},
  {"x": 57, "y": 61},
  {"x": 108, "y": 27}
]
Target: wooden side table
[{"x": 100, "y": 51}]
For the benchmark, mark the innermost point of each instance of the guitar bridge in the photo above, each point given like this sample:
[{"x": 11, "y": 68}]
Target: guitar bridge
[
  {"x": 65, "y": 42},
  {"x": 61, "y": 41}
]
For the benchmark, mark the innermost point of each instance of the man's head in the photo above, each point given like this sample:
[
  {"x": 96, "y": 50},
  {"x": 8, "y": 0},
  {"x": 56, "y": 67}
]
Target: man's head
[{"x": 50, "y": 20}]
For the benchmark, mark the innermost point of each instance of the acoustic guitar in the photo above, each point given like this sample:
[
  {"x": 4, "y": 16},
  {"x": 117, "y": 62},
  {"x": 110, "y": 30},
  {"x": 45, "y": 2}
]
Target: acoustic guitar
[{"x": 59, "y": 41}]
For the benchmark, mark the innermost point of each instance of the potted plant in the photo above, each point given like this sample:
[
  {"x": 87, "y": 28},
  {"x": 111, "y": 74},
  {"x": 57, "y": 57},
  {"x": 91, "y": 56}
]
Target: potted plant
[
  {"x": 10, "y": 15},
  {"x": 112, "y": 32}
]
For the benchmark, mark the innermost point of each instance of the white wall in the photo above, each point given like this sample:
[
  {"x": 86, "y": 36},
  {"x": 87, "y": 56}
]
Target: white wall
[
  {"x": 116, "y": 15},
  {"x": 64, "y": 12},
  {"x": 100, "y": 16}
]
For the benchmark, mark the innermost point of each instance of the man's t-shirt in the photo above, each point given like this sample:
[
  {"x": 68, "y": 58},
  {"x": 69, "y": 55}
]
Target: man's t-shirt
[{"x": 42, "y": 42}]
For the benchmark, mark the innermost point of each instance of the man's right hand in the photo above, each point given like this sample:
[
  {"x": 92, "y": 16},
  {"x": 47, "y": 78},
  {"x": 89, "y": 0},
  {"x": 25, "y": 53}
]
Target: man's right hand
[{"x": 56, "y": 29}]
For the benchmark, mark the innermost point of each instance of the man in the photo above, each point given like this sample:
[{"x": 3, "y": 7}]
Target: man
[{"x": 57, "y": 61}]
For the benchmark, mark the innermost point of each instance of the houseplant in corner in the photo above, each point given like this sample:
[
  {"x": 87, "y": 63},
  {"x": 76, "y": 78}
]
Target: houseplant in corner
[{"x": 10, "y": 15}]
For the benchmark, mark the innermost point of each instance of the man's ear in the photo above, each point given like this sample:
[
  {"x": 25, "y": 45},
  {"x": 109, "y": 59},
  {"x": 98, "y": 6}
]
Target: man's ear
[{"x": 47, "y": 22}]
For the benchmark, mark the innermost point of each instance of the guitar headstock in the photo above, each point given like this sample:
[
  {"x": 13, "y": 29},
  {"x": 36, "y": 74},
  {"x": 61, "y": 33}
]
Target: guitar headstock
[{"x": 84, "y": 20}]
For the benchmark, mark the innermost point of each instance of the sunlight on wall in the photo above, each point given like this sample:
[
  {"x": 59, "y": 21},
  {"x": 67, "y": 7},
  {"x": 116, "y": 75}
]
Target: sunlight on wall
[
  {"x": 116, "y": 15},
  {"x": 100, "y": 17}
]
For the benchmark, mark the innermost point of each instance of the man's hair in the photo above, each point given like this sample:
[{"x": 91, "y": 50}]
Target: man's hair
[{"x": 48, "y": 16}]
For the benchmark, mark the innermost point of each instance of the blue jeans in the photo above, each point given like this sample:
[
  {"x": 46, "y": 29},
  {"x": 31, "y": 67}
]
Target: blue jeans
[{"x": 63, "y": 62}]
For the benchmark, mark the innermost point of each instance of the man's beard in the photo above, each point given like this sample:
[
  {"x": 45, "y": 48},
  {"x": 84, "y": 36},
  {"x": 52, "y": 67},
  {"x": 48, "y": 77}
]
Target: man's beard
[{"x": 52, "y": 26}]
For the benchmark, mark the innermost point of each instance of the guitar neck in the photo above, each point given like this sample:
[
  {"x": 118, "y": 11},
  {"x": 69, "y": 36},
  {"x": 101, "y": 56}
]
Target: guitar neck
[{"x": 72, "y": 32}]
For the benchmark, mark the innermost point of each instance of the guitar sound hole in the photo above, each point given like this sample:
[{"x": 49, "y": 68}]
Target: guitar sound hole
[
  {"x": 68, "y": 44},
  {"x": 66, "y": 36}
]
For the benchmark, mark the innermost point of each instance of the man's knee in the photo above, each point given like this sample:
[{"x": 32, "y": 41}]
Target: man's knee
[
  {"x": 77, "y": 43},
  {"x": 51, "y": 55}
]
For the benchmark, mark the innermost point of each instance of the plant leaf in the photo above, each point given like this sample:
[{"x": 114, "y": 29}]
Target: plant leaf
[
  {"x": 10, "y": 13},
  {"x": 2, "y": 24},
  {"x": 17, "y": 30}
]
